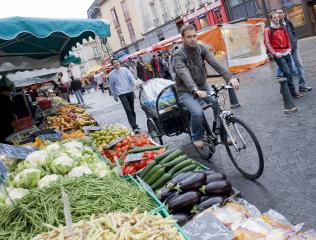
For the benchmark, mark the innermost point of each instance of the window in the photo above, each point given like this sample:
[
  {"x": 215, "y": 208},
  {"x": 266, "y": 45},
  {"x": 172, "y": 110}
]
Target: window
[
  {"x": 218, "y": 15},
  {"x": 234, "y": 3},
  {"x": 115, "y": 18},
  {"x": 177, "y": 10},
  {"x": 203, "y": 21},
  {"x": 296, "y": 15},
  {"x": 82, "y": 71},
  {"x": 273, "y": 5},
  {"x": 131, "y": 31},
  {"x": 125, "y": 10},
  {"x": 96, "y": 52},
  {"x": 161, "y": 36},
  {"x": 154, "y": 12},
  {"x": 164, "y": 10},
  {"x": 121, "y": 37}
]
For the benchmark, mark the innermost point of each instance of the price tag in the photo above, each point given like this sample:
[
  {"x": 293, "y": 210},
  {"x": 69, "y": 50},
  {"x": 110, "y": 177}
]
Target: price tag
[
  {"x": 134, "y": 157},
  {"x": 114, "y": 142},
  {"x": 3, "y": 172},
  {"x": 206, "y": 227},
  {"x": 53, "y": 137},
  {"x": 67, "y": 212},
  {"x": 87, "y": 129},
  {"x": 15, "y": 151}
]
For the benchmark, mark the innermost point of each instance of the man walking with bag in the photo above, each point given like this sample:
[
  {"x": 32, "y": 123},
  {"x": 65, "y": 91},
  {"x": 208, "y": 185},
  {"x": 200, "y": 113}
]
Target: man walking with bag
[{"x": 122, "y": 85}]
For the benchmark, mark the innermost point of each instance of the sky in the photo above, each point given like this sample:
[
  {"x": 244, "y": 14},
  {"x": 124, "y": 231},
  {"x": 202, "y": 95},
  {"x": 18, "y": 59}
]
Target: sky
[{"x": 45, "y": 8}]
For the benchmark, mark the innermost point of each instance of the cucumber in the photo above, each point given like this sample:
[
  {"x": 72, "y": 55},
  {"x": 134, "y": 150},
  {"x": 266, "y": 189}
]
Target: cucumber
[
  {"x": 165, "y": 154},
  {"x": 144, "y": 149},
  {"x": 147, "y": 168},
  {"x": 180, "y": 165},
  {"x": 176, "y": 161},
  {"x": 189, "y": 168},
  {"x": 151, "y": 172},
  {"x": 161, "y": 181},
  {"x": 156, "y": 175},
  {"x": 172, "y": 156}
]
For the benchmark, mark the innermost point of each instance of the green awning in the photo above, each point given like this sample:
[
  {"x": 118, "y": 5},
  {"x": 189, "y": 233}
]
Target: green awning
[{"x": 42, "y": 38}]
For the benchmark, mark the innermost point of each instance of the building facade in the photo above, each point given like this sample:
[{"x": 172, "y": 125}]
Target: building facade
[
  {"x": 138, "y": 24},
  {"x": 301, "y": 12},
  {"x": 90, "y": 54}
]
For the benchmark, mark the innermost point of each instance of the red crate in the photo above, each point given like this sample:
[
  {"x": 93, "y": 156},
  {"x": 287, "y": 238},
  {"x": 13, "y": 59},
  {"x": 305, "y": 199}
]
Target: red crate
[{"x": 22, "y": 123}]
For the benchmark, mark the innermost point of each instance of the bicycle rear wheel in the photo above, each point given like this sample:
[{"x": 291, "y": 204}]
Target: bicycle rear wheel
[
  {"x": 244, "y": 150},
  {"x": 153, "y": 131}
]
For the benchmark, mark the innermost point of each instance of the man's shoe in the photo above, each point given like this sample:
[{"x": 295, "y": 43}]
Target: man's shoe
[
  {"x": 198, "y": 144},
  {"x": 291, "y": 110},
  {"x": 136, "y": 130},
  {"x": 297, "y": 95},
  {"x": 234, "y": 106},
  {"x": 282, "y": 79},
  {"x": 305, "y": 89}
]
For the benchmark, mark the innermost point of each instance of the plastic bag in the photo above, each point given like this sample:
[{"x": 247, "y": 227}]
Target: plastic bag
[{"x": 308, "y": 235}]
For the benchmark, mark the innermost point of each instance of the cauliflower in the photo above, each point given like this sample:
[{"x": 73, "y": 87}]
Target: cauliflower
[
  {"x": 79, "y": 171},
  {"x": 9, "y": 162},
  {"x": 47, "y": 180},
  {"x": 74, "y": 153},
  {"x": 28, "y": 178},
  {"x": 15, "y": 193},
  {"x": 101, "y": 169},
  {"x": 73, "y": 144},
  {"x": 36, "y": 159},
  {"x": 62, "y": 165},
  {"x": 54, "y": 147}
]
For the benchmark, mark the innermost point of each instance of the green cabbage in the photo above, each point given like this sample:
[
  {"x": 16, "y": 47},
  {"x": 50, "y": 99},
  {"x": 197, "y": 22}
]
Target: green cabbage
[
  {"x": 62, "y": 165},
  {"x": 28, "y": 178}
]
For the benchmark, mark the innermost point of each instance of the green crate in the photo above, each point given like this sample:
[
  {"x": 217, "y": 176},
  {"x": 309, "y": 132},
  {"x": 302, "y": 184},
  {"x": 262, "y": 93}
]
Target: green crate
[
  {"x": 106, "y": 160},
  {"x": 164, "y": 213},
  {"x": 203, "y": 166}
]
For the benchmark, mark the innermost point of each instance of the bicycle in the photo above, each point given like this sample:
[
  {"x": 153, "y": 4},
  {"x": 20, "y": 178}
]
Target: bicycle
[{"x": 236, "y": 136}]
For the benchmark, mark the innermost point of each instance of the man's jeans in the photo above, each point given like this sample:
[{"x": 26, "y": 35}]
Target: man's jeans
[
  {"x": 285, "y": 64},
  {"x": 127, "y": 100},
  {"x": 196, "y": 110},
  {"x": 297, "y": 67},
  {"x": 79, "y": 97}
]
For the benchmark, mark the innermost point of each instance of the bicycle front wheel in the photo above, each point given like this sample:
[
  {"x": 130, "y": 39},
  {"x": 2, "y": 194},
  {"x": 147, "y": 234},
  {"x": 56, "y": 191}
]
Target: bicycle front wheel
[{"x": 243, "y": 148}]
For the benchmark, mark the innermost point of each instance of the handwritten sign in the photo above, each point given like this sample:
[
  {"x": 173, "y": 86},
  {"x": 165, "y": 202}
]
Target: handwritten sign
[
  {"x": 15, "y": 151},
  {"x": 88, "y": 129},
  {"x": 3, "y": 172},
  {"x": 114, "y": 142},
  {"x": 134, "y": 157},
  {"x": 206, "y": 227},
  {"x": 53, "y": 136},
  {"x": 67, "y": 212}
]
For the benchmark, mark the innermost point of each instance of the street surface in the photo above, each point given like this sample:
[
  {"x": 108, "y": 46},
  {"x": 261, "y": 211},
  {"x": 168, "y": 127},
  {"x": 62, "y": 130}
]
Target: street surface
[{"x": 288, "y": 184}]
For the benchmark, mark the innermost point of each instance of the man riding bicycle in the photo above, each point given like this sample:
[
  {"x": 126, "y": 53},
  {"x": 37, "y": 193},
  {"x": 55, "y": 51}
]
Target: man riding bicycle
[{"x": 188, "y": 63}]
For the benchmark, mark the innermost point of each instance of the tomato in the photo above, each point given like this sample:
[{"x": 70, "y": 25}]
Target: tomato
[
  {"x": 129, "y": 169},
  {"x": 147, "y": 141},
  {"x": 118, "y": 145},
  {"x": 124, "y": 142},
  {"x": 137, "y": 165},
  {"x": 139, "y": 143},
  {"x": 118, "y": 149},
  {"x": 143, "y": 163}
]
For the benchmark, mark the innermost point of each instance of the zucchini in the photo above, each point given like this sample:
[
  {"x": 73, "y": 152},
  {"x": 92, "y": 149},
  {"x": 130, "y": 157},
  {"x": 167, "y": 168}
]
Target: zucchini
[
  {"x": 171, "y": 156},
  {"x": 176, "y": 161},
  {"x": 144, "y": 149},
  {"x": 189, "y": 168},
  {"x": 155, "y": 176},
  {"x": 181, "y": 165},
  {"x": 147, "y": 168},
  {"x": 192, "y": 182},
  {"x": 185, "y": 200},
  {"x": 165, "y": 154},
  {"x": 161, "y": 181},
  {"x": 120, "y": 160},
  {"x": 151, "y": 172},
  {"x": 219, "y": 187}
]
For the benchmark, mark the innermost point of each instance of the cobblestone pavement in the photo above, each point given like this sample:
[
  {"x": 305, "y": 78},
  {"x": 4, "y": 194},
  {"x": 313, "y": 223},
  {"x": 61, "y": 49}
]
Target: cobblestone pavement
[{"x": 288, "y": 141}]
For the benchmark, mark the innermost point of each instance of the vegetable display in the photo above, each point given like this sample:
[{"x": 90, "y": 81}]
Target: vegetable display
[
  {"x": 66, "y": 159},
  {"x": 88, "y": 195},
  {"x": 117, "y": 226}
]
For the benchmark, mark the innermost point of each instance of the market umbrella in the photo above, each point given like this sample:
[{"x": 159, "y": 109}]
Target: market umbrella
[
  {"x": 29, "y": 43},
  {"x": 92, "y": 71}
]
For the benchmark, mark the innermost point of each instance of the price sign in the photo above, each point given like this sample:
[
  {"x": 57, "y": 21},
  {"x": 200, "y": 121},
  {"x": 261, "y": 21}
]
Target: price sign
[
  {"x": 67, "y": 212},
  {"x": 206, "y": 227},
  {"x": 53, "y": 137},
  {"x": 114, "y": 142},
  {"x": 134, "y": 157},
  {"x": 15, "y": 151}
]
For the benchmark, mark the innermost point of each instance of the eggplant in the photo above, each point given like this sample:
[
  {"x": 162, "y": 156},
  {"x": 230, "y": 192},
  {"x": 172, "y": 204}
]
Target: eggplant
[
  {"x": 185, "y": 200},
  {"x": 175, "y": 180},
  {"x": 163, "y": 193},
  {"x": 172, "y": 196},
  {"x": 181, "y": 218},
  {"x": 220, "y": 187},
  {"x": 214, "y": 177},
  {"x": 205, "y": 197},
  {"x": 209, "y": 203},
  {"x": 208, "y": 172},
  {"x": 192, "y": 182}
]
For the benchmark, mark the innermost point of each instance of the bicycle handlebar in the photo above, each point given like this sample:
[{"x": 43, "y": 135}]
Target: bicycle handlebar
[{"x": 216, "y": 89}]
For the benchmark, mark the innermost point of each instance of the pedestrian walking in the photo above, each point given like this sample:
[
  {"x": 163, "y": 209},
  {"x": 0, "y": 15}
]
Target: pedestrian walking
[
  {"x": 155, "y": 66},
  {"x": 296, "y": 57},
  {"x": 76, "y": 88},
  {"x": 122, "y": 85},
  {"x": 278, "y": 44},
  {"x": 163, "y": 66},
  {"x": 63, "y": 87},
  {"x": 140, "y": 70},
  {"x": 98, "y": 78}
]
